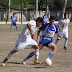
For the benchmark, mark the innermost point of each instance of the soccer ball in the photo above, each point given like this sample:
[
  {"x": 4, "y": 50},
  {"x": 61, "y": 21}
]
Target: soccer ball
[{"x": 48, "y": 62}]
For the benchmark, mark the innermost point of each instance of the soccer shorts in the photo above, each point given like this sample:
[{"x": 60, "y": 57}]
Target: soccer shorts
[
  {"x": 46, "y": 40},
  {"x": 20, "y": 44},
  {"x": 64, "y": 35},
  {"x": 14, "y": 24}
]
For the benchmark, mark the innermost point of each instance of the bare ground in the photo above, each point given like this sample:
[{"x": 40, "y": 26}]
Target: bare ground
[{"x": 62, "y": 60}]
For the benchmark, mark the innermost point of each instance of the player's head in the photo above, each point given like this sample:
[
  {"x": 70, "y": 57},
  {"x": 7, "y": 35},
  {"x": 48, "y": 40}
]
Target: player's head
[
  {"x": 13, "y": 14},
  {"x": 45, "y": 13},
  {"x": 39, "y": 21},
  {"x": 66, "y": 15},
  {"x": 52, "y": 20}
]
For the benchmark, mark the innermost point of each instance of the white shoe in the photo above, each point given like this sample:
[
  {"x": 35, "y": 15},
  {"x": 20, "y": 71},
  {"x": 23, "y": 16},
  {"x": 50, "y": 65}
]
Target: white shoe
[{"x": 24, "y": 63}]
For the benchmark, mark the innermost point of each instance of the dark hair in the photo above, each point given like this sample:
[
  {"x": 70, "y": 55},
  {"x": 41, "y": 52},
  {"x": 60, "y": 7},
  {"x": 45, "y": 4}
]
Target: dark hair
[
  {"x": 40, "y": 20},
  {"x": 45, "y": 12},
  {"x": 14, "y": 13},
  {"x": 52, "y": 18},
  {"x": 65, "y": 13}
]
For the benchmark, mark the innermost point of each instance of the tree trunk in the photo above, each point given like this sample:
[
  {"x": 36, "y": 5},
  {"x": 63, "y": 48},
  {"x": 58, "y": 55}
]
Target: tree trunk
[
  {"x": 37, "y": 14},
  {"x": 64, "y": 8}
]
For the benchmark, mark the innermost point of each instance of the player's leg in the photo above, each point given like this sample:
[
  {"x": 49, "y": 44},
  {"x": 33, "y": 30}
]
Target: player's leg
[
  {"x": 11, "y": 26},
  {"x": 16, "y": 26},
  {"x": 32, "y": 54},
  {"x": 66, "y": 40},
  {"x": 36, "y": 53},
  {"x": 65, "y": 44},
  {"x": 54, "y": 49},
  {"x": 9, "y": 55}
]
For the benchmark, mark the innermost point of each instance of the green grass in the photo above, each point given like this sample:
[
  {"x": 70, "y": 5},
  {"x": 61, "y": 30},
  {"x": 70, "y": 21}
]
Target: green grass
[{"x": 6, "y": 27}]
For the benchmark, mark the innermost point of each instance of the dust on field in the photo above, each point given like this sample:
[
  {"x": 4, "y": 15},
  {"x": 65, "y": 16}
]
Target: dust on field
[{"x": 62, "y": 60}]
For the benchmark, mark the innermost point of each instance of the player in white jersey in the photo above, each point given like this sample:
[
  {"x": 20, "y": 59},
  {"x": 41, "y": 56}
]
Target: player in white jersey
[
  {"x": 47, "y": 38},
  {"x": 26, "y": 38},
  {"x": 63, "y": 26}
]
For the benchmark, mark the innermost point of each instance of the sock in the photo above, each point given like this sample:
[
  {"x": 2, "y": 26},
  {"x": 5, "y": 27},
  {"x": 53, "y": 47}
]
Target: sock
[
  {"x": 11, "y": 28},
  {"x": 29, "y": 56},
  {"x": 36, "y": 54},
  {"x": 65, "y": 42},
  {"x": 4, "y": 61},
  {"x": 9, "y": 55},
  {"x": 56, "y": 42},
  {"x": 50, "y": 55},
  {"x": 16, "y": 28}
]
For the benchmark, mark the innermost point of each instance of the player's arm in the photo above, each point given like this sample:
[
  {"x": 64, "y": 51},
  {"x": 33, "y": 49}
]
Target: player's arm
[
  {"x": 16, "y": 18},
  {"x": 59, "y": 24},
  {"x": 59, "y": 27},
  {"x": 29, "y": 27},
  {"x": 57, "y": 31},
  {"x": 40, "y": 29},
  {"x": 38, "y": 36}
]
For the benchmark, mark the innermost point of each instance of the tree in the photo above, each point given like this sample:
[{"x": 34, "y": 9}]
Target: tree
[
  {"x": 37, "y": 8},
  {"x": 4, "y": 3},
  {"x": 64, "y": 7}
]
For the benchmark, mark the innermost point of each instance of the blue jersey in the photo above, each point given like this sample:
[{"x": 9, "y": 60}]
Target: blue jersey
[
  {"x": 45, "y": 18},
  {"x": 13, "y": 18},
  {"x": 49, "y": 32}
]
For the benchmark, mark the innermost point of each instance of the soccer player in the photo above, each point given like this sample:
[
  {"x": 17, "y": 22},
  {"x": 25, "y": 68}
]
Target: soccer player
[
  {"x": 26, "y": 38},
  {"x": 45, "y": 17},
  {"x": 63, "y": 26},
  {"x": 13, "y": 18},
  {"x": 47, "y": 38}
]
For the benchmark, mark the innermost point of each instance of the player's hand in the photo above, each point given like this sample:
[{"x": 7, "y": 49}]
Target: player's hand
[
  {"x": 38, "y": 41},
  {"x": 60, "y": 29},
  {"x": 59, "y": 34}
]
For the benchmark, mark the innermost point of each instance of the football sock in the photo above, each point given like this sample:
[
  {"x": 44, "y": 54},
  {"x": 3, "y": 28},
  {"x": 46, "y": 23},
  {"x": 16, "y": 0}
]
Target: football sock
[
  {"x": 11, "y": 28},
  {"x": 4, "y": 61},
  {"x": 50, "y": 55},
  {"x": 16, "y": 28},
  {"x": 65, "y": 44},
  {"x": 36, "y": 54},
  {"x": 29, "y": 56},
  {"x": 9, "y": 55}
]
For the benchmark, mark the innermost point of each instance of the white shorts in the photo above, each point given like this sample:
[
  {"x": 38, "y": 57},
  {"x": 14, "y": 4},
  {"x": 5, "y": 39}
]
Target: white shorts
[
  {"x": 64, "y": 35},
  {"x": 22, "y": 44}
]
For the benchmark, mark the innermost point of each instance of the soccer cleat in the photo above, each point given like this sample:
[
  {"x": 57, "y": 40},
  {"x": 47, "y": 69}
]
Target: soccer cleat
[
  {"x": 24, "y": 63},
  {"x": 38, "y": 62},
  {"x": 65, "y": 48},
  {"x": 3, "y": 64}
]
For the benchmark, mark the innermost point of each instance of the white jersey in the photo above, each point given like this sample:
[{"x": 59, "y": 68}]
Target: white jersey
[
  {"x": 64, "y": 24},
  {"x": 26, "y": 33}
]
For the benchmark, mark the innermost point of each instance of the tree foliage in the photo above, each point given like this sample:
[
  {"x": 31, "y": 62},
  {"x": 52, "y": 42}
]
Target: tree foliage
[
  {"x": 4, "y": 3},
  {"x": 58, "y": 4}
]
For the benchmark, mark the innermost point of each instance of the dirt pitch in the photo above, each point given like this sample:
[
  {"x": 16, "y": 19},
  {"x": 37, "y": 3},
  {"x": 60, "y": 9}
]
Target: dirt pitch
[{"x": 62, "y": 60}]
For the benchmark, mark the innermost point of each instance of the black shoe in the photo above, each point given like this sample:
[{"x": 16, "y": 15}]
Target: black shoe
[{"x": 65, "y": 48}]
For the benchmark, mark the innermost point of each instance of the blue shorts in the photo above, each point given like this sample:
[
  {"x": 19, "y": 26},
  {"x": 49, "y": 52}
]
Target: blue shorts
[
  {"x": 46, "y": 40},
  {"x": 14, "y": 24}
]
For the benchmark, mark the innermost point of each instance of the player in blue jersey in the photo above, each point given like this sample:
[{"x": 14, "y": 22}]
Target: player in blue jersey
[
  {"x": 47, "y": 38},
  {"x": 45, "y": 17},
  {"x": 13, "y": 18}
]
